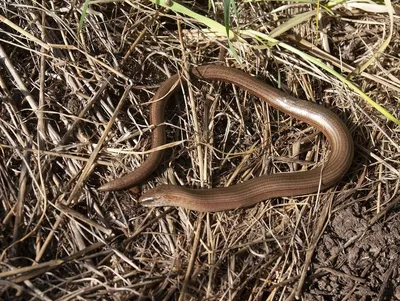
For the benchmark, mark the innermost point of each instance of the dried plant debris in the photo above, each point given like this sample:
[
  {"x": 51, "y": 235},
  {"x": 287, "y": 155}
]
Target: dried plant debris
[{"x": 74, "y": 115}]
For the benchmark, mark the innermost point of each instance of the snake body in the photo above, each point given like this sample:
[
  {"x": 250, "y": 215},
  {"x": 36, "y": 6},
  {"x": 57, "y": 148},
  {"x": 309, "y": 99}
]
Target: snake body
[{"x": 257, "y": 189}]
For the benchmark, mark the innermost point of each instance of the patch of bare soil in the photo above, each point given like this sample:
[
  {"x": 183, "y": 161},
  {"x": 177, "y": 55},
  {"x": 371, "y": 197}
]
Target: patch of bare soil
[{"x": 366, "y": 258}]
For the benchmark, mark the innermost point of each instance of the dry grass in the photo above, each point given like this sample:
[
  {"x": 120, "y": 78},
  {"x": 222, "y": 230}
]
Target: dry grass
[{"x": 74, "y": 115}]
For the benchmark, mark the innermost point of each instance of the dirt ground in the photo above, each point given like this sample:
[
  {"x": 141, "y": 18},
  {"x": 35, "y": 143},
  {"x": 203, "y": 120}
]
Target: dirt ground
[{"x": 74, "y": 115}]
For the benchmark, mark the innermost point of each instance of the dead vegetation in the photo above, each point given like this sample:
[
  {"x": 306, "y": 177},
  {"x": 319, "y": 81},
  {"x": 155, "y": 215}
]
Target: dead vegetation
[{"x": 74, "y": 114}]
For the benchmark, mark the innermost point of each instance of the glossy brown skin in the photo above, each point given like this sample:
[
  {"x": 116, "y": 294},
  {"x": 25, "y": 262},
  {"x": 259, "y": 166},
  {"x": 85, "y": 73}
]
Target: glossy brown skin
[{"x": 257, "y": 189}]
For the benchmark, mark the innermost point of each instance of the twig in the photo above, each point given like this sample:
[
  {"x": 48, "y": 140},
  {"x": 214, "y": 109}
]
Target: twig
[
  {"x": 19, "y": 208},
  {"x": 193, "y": 255}
]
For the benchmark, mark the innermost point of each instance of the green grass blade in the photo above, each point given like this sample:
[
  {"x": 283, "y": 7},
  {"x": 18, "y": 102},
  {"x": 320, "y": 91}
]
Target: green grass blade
[
  {"x": 214, "y": 26},
  {"x": 83, "y": 15},
  {"x": 319, "y": 63},
  {"x": 379, "y": 52},
  {"x": 227, "y": 14},
  {"x": 296, "y": 20},
  {"x": 221, "y": 30}
]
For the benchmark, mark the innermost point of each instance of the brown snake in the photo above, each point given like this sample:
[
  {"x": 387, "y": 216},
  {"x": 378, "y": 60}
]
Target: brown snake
[{"x": 257, "y": 189}]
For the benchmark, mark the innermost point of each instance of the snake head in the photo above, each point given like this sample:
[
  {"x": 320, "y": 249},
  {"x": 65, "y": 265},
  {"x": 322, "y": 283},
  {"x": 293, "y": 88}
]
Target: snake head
[{"x": 156, "y": 197}]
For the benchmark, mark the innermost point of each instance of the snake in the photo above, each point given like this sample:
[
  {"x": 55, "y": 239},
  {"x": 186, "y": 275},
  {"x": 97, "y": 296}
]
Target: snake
[{"x": 248, "y": 193}]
